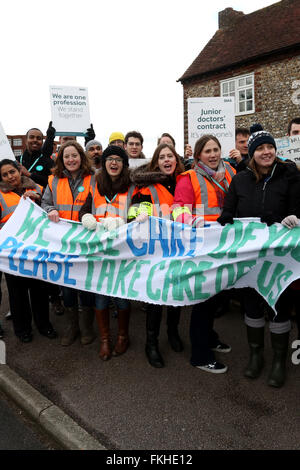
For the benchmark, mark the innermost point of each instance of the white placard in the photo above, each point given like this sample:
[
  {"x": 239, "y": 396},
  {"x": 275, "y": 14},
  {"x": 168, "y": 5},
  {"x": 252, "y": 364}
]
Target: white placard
[
  {"x": 213, "y": 115},
  {"x": 136, "y": 162},
  {"x": 5, "y": 148},
  {"x": 70, "y": 110},
  {"x": 289, "y": 147}
]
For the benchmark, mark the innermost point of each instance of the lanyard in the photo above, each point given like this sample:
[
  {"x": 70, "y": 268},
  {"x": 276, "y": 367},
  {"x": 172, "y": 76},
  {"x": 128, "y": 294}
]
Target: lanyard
[
  {"x": 113, "y": 199},
  {"x": 221, "y": 187},
  {"x": 21, "y": 160}
]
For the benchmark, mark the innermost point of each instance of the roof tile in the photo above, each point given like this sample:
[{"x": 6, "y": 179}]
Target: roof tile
[{"x": 250, "y": 36}]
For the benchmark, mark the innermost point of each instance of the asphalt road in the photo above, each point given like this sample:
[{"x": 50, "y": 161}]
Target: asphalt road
[
  {"x": 127, "y": 404},
  {"x": 18, "y": 432}
]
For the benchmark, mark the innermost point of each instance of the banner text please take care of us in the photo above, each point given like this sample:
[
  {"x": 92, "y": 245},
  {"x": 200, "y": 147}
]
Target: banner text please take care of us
[{"x": 158, "y": 261}]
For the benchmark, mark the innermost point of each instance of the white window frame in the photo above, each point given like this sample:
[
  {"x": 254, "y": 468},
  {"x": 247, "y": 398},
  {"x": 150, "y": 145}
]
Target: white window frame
[
  {"x": 18, "y": 152},
  {"x": 17, "y": 142},
  {"x": 236, "y": 88}
]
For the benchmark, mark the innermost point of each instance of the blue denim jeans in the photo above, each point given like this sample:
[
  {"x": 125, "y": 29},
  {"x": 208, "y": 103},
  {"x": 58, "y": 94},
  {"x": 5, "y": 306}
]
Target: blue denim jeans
[
  {"x": 103, "y": 301},
  {"x": 70, "y": 297}
]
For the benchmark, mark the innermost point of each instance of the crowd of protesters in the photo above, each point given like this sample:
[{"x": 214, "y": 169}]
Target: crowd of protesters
[{"x": 96, "y": 186}]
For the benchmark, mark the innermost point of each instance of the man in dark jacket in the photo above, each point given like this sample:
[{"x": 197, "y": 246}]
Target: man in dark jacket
[{"x": 36, "y": 162}]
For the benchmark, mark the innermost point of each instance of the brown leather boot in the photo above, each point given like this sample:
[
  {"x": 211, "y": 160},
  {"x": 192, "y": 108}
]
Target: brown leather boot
[
  {"x": 102, "y": 317},
  {"x": 122, "y": 343}
]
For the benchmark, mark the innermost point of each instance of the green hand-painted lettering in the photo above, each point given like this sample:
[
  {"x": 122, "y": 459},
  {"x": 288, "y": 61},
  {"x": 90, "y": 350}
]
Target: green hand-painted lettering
[
  {"x": 285, "y": 276},
  {"x": 64, "y": 245},
  {"x": 81, "y": 239},
  {"x": 39, "y": 240},
  {"x": 274, "y": 234},
  {"x": 90, "y": 271},
  {"x": 136, "y": 275},
  {"x": 107, "y": 271},
  {"x": 288, "y": 243},
  {"x": 265, "y": 288},
  {"x": 122, "y": 273},
  {"x": 154, "y": 295},
  {"x": 172, "y": 278},
  {"x": 192, "y": 269},
  {"x": 247, "y": 236},
  {"x": 221, "y": 251},
  {"x": 230, "y": 277},
  {"x": 30, "y": 225}
]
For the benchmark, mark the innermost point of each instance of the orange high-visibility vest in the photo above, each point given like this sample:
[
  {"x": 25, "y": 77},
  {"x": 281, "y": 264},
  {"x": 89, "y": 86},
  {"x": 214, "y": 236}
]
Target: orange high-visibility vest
[
  {"x": 162, "y": 199},
  {"x": 205, "y": 193},
  {"x": 117, "y": 207},
  {"x": 65, "y": 204},
  {"x": 9, "y": 202}
]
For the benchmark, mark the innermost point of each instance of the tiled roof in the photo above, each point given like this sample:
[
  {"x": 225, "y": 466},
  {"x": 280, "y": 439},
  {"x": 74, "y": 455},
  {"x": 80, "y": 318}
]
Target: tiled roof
[{"x": 250, "y": 36}]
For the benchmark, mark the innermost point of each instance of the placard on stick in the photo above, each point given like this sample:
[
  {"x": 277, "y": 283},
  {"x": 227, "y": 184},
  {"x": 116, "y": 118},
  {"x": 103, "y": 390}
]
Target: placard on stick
[
  {"x": 215, "y": 116},
  {"x": 69, "y": 110},
  {"x": 289, "y": 147},
  {"x": 5, "y": 148}
]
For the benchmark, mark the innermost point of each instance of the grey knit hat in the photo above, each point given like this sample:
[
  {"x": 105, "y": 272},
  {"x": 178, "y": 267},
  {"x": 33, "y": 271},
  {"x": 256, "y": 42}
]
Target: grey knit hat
[{"x": 91, "y": 143}]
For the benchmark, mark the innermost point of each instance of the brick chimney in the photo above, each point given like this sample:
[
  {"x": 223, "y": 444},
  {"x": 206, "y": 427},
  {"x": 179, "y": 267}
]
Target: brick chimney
[{"x": 228, "y": 16}]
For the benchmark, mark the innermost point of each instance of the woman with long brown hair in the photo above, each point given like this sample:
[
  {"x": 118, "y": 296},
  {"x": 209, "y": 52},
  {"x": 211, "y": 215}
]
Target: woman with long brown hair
[
  {"x": 204, "y": 187},
  {"x": 157, "y": 182},
  {"x": 64, "y": 196},
  {"x": 108, "y": 205},
  {"x": 269, "y": 188}
]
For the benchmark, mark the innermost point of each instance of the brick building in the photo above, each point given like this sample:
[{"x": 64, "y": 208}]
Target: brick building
[
  {"x": 256, "y": 59},
  {"x": 18, "y": 143}
]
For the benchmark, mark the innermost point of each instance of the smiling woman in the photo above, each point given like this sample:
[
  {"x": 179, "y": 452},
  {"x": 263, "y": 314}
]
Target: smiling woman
[
  {"x": 269, "y": 188},
  {"x": 108, "y": 204},
  {"x": 199, "y": 198},
  {"x": 157, "y": 182},
  {"x": 67, "y": 191}
]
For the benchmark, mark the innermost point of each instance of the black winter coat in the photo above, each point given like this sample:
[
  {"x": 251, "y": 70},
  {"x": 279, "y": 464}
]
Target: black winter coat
[
  {"x": 275, "y": 196},
  {"x": 41, "y": 168}
]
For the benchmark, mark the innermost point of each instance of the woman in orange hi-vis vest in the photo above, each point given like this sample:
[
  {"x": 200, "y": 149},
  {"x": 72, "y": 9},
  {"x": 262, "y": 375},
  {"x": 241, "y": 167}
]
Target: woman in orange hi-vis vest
[
  {"x": 12, "y": 186},
  {"x": 204, "y": 188},
  {"x": 108, "y": 206},
  {"x": 64, "y": 196},
  {"x": 157, "y": 182}
]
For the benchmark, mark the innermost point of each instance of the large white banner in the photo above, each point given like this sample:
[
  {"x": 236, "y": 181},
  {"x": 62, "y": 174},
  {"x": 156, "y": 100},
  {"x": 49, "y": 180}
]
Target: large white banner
[
  {"x": 5, "y": 148},
  {"x": 158, "y": 261},
  {"x": 70, "y": 110},
  {"x": 214, "y": 115}
]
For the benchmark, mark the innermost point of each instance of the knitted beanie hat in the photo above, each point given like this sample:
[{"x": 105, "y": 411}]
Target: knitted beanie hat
[
  {"x": 258, "y": 137},
  {"x": 114, "y": 150},
  {"x": 92, "y": 142},
  {"x": 116, "y": 136}
]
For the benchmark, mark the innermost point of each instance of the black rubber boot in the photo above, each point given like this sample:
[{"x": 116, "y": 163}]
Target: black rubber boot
[
  {"x": 256, "y": 344},
  {"x": 153, "y": 320},
  {"x": 280, "y": 343},
  {"x": 173, "y": 316}
]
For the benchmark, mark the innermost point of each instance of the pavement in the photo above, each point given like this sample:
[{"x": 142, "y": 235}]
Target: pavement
[{"x": 125, "y": 404}]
